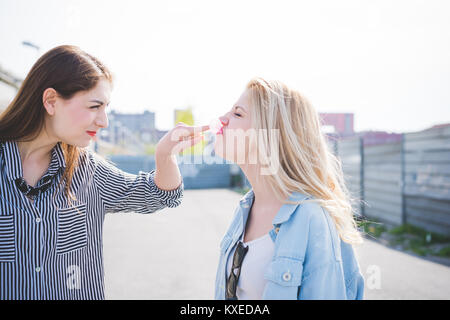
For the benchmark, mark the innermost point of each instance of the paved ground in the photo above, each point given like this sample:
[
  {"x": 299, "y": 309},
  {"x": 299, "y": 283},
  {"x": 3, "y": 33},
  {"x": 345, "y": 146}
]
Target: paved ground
[{"x": 173, "y": 255}]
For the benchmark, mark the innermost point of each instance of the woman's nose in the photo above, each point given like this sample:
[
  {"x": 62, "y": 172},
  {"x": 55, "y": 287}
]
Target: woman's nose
[{"x": 102, "y": 120}]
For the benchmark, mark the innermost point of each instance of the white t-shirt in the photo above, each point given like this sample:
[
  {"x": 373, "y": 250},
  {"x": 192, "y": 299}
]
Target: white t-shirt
[{"x": 251, "y": 281}]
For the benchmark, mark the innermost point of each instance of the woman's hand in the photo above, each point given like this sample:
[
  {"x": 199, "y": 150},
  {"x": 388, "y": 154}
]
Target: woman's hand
[
  {"x": 167, "y": 175},
  {"x": 178, "y": 139}
]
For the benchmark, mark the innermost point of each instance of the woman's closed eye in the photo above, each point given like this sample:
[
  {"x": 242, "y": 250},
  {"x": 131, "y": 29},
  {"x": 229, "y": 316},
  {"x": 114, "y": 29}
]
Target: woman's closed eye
[
  {"x": 94, "y": 107},
  {"x": 237, "y": 114}
]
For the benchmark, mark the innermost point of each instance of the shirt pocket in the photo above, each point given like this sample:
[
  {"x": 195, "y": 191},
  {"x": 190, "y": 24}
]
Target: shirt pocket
[
  {"x": 285, "y": 277},
  {"x": 72, "y": 230},
  {"x": 7, "y": 239}
]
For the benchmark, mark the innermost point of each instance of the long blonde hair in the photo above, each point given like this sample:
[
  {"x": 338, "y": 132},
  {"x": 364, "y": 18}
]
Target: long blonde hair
[{"x": 306, "y": 163}]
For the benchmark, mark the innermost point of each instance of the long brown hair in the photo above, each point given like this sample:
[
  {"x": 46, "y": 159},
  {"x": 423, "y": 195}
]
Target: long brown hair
[{"x": 68, "y": 70}]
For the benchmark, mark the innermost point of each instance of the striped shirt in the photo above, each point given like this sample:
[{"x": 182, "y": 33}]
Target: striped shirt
[{"x": 52, "y": 250}]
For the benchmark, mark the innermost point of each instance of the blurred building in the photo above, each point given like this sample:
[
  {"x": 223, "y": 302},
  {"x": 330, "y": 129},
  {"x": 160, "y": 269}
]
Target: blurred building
[
  {"x": 135, "y": 122},
  {"x": 371, "y": 138},
  {"x": 125, "y": 128},
  {"x": 338, "y": 124},
  {"x": 442, "y": 125},
  {"x": 9, "y": 84},
  {"x": 341, "y": 125},
  {"x": 184, "y": 115}
]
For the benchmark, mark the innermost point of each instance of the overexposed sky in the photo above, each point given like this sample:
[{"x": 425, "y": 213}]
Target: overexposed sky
[{"x": 386, "y": 61}]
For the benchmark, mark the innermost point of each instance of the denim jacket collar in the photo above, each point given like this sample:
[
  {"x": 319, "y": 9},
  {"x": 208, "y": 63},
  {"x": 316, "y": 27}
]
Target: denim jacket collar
[
  {"x": 245, "y": 205},
  {"x": 287, "y": 209},
  {"x": 283, "y": 214}
]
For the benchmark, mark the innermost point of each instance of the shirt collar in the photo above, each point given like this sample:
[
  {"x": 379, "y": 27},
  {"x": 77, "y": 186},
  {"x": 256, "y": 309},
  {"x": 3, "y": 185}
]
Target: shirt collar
[
  {"x": 247, "y": 198},
  {"x": 288, "y": 209},
  {"x": 58, "y": 161},
  {"x": 283, "y": 214},
  {"x": 13, "y": 164},
  {"x": 246, "y": 204}
]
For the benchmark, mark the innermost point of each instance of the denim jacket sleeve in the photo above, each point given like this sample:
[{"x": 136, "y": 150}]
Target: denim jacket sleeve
[
  {"x": 330, "y": 268},
  {"x": 309, "y": 261}
]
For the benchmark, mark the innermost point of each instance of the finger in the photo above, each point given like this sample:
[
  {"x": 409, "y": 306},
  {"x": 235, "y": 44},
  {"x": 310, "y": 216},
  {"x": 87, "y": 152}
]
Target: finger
[
  {"x": 191, "y": 142},
  {"x": 190, "y": 136},
  {"x": 179, "y": 133},
  {"x": 204, "y": 128},
  {"x": 183, "y": 132},
  {"x": 187, "y": 144},
  {"x": 195, "y": 129}
]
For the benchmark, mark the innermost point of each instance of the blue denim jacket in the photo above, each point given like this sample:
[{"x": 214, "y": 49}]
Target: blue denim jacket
[{"x": 310, "y": 260}]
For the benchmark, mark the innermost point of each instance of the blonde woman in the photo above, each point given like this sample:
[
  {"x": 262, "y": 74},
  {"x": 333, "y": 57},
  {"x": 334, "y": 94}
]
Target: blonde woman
[{"x": 292, "y": 234}]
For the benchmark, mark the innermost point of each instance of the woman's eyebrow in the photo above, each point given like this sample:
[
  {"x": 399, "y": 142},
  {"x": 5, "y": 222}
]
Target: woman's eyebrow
[
  {"x": 98, "y": 101},
  {"x": 242, "y": 108}
]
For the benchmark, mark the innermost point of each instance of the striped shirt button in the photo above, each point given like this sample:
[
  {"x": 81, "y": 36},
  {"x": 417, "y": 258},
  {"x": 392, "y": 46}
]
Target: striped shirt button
[{"x": 38, "y": 269}]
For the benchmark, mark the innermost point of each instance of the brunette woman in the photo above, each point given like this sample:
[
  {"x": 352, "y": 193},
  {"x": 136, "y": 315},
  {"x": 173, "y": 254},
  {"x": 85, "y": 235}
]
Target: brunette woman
[{"x": 55, "y": 192}]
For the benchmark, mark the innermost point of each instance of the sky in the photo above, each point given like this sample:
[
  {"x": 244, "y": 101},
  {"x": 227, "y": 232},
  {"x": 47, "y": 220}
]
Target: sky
[{"x": 388, "y": 62}]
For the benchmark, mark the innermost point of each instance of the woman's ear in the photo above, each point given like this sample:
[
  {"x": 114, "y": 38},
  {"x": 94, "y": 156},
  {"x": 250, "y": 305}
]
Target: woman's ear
[{"x": 49, "y": 100}]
